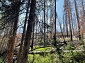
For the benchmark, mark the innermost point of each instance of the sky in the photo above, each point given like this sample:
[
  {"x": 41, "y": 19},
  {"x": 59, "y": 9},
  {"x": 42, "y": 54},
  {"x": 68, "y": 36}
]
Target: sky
[{"x": 59, "y": 8}]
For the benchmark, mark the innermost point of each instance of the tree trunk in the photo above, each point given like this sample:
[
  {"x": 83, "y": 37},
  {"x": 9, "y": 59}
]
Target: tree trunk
[
  {"x": 12, "y": 38},
  {"x": 24, "y": 29},
  {"x": 69, "y": 19},
  {"x": 32, "y": 37},
  {"x": 55, "y": 26},
  {"x": 44, "y": 25},
  {"x": 65, "y": 17},
  {"x": 77, "y": 17},
  {"x": 28, "y": 32},
  {"x": 66, "y": 24}
]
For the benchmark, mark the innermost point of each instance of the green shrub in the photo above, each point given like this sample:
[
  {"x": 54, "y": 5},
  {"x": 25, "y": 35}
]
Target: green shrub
[
  {"x": 70, "y": 46},
  {"x": 79, "y": 57},
  {"x": 1, "y": 60},
  {"x": 74, "y": 57},
  {"x": 41, "y": 59}
]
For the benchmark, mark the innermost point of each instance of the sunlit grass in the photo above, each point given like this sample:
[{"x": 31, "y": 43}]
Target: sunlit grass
[{"x": 43, "y": 49}]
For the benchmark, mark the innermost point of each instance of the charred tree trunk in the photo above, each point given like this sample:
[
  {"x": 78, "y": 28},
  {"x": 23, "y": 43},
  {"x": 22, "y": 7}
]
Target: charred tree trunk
[
  {"x": 32, "y": 36},
  {"x": 44, "y": 25},
  {"x": 55, "y": 26},
  {"x": 69, "y": 19},
  {"x": 23, "y": 35},
  {"x": 29, "y": 31}
]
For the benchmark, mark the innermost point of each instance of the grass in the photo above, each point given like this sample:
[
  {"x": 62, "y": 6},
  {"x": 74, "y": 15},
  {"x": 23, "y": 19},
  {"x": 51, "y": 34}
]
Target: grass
[
  {"x": 1, "y": 60},
  {"x": 43, "y": 49},
  {"x": 74, "y": 57}
]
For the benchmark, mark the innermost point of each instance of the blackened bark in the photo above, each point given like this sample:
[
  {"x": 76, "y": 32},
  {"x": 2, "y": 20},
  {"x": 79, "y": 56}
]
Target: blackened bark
[
  {"x": 69, "y": 19},
  {"x": 55, "y": 26},
  {"x": 24, "y": 29},
  {"x": 44, "y": 28},
  {"x": 32, "y": 36},
  {"x": 29, "y": 31}
]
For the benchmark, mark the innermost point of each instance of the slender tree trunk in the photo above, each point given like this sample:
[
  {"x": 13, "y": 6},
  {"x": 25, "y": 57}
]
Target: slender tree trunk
[
  {"x": 55, "y": 26},
  {"x": 24, "y": 29},
  {"x": 69, "y": 19},
  {"x": 44, "y": 24},
  {"x": 83, "y": 17},
  {"x": 62, "y": 33},
  {"x": 65, "y": 11},
  {"x": 29, "y": 31},
  {"x": 63, "y": 23},
  {"x": 12, "y": 38},
  {"x": 66, "y": 24},
  {"x": 77, "y": 17}
]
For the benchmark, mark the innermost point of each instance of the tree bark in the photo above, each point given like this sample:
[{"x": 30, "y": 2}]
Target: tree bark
[
  {"x": 77, "y": 17},
  {"x": 65, "y": 17},
  {"x": 55, "y": 26},
  {"x": 29, "y": 32},
  {"x": 44, "y": 25},
  {"x": 69, "y": 19},
  {"x": 32, "y": 37},
  {"x": 12, "y": 38},
  {"x": 23, "y": 35}
]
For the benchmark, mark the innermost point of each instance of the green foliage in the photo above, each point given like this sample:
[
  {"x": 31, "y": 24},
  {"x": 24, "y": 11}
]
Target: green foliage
[
  {"x": 79, "y": 57},
  {"x": 81, "y": 42},
  {"x": 70, "y": 46},
  {"x": 41, "y": 42},
  {"x": 74, "y": 57},
  {"x": 43, "y": 49},
  {"x": 1, "y": 60},
  {"x": 69, "y": 57},
  {"x": 40, "y": 59}
]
